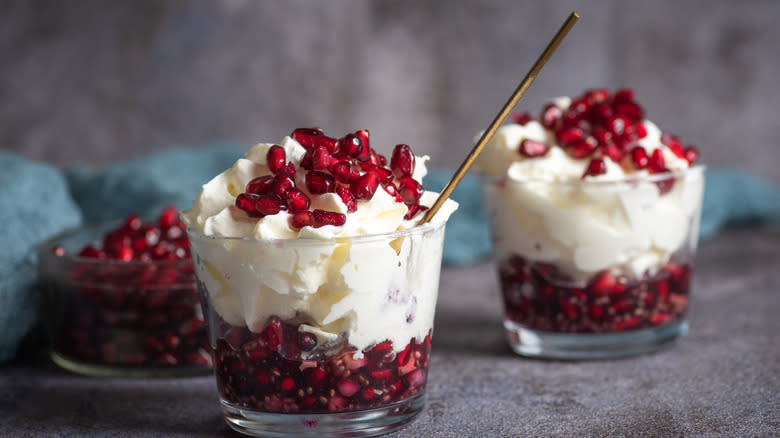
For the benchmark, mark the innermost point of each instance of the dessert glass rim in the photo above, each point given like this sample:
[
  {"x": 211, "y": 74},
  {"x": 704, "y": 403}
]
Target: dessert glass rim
[
  {"x": 375, "y": 237},
  {"x": 44, "y": 252},
  {"x": 630, "y": 179}
]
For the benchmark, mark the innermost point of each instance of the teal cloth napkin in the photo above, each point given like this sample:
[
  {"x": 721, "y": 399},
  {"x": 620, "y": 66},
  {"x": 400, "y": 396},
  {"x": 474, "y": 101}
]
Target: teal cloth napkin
[{"x": 37, "y": 201}]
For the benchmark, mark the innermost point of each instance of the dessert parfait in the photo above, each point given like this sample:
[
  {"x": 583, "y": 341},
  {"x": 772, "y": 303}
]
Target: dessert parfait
[
  {"x": 121, "y": 299},
  {"x": 319, "y": 285},
  {"x": 594, "y": 216}
]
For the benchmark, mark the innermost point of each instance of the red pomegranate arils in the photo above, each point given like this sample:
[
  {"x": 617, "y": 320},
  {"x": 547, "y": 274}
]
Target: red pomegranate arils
[
  {"x": 350, "y": 146},
  {"x": 296, "y": 200},
  {"x": 551, "y": 117},
  {"x": 613, "y": 152},
  {"x": 639, "y": 157},
  {"x": 276, "y": 158},
  {"x": 248, "y": 203},
  {"x": 597, "y": 95},
  {"x": 410, "y": 190},
  {"x": 569, "y": 136},
  {"x": 260, "y": 185},
  {"x": 691, "y": 154},
  {"x": 364, "y": 154},
  {"x": 302, "y": 219},
  {"x": 656, "y": 163},
  {"x": 402, "y": 161},
  {"x": 347, "y": 198},
  {"x": 624, "y": 95},
  {"x": 582, "y": 148},
  {"x": 365, "y": 186},
  {"x": 521, "y": 118},
  {"x": 168, "y": 218},
  {"x": 321, "y": 218},
  {"x": 306, "y": 136},
  {"x": 530, "y": 148},
  {"x": 414, "y": 209},
  {"x": 318, "y": 182},
  {"x": 631, "y": 110},
  {"x": 343, "y": 171},
  {"x": 320, "y": 158},
  {"x": 602, "y": 136},
  {"x": 282, "y": 181},
  {"x": 595, "y": 167}
]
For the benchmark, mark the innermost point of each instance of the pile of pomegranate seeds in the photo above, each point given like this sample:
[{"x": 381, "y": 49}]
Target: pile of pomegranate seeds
[
  {"x": 133, "y": 314},
  {"x": 600, "y": 125},
  {"x": 135, "y": 240},
  {"x": 347, "y": 166},
  {"x": 265, "y": 371},
  {"x": 537, "y": 298}
]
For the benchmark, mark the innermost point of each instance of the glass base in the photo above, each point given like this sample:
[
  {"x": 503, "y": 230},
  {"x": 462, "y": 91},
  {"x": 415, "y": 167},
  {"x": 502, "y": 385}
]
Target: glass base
[
  {"x": 365, "y": 423},
  {"x": 96, "y": 370},
  {"x": 576, "y": 346}
]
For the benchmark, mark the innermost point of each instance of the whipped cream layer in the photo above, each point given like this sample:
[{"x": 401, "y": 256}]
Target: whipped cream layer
[
  {"x": 543, "y": 209},
  {"x": 367, "y": 290}
]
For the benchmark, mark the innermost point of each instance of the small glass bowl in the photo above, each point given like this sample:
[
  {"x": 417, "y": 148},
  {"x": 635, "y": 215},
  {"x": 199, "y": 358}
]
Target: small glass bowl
[{"x": 120, "y": 318}]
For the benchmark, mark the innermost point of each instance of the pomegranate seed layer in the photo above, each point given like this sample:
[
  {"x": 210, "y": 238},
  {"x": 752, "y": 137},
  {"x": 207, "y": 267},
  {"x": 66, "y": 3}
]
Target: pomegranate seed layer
[
  {"x": 282, "y": 369},
  {"x": 536, "y": 297},
  {"x": 145, "y": 313}
]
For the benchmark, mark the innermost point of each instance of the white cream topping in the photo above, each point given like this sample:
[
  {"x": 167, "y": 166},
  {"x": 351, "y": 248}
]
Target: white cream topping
[
  {"x": 542, "y": 209},
  {"x": 366, "y": 292}
]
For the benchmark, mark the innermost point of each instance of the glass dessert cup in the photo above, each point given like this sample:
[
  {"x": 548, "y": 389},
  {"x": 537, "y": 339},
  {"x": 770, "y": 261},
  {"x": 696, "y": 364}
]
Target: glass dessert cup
[
  {"x": 106, "y": 317},
  {"x": 320, "y": 337},
  {"x": 595, "y": 269}
]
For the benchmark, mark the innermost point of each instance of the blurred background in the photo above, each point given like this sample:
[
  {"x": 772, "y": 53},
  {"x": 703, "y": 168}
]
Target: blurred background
[{"x": 93, "y": 82}]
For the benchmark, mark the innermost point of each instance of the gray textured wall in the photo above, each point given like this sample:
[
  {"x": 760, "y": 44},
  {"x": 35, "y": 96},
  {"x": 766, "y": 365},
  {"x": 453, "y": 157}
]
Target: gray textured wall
[{"x": 95, "y": 81}]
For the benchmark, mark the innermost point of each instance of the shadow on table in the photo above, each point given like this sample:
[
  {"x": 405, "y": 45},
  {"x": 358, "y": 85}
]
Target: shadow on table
[{"x": 61, "y": 404}]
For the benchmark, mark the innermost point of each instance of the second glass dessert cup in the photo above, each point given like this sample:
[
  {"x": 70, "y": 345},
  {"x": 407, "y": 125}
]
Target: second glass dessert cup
[
  {"x": 595, "y": 269},
  {"x": 320, "y": 337}
]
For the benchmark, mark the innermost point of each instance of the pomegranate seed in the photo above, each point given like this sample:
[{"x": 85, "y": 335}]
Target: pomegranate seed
[
  {"x": 287, "y": 384},
  {"x": 132, "y": 222},
  {"x": 343, "y": 172},
  {"x": 521, "y": 118},
  {"x": 627, "y": 324},
  {"x": 168, "y": 218},
  {"x": 350, "y": 145},
  {"x": 530, "y": 148},
  {"x": 321, "y": 218},
  {"x": 602, "y": 136},
  {"x": 656, "y": 163},
  {"x": 617, "y": 124},
  {"x": 306, "y": 161},
  {"x": 347, "y": 387},
  {"x": 639, "y": 157},
  {"x": 613, "y": 152},
  {"x": 413, "y": 210},
  {"x": 91, "y": 252},
  {"x": 631, "y": 110},
  {"x": 330, "y": 143},
  {"x": 337, "y": 403},
  {"x": 364, "y": 154},
  {"x": 595, "y": 167},
  {"x": 392, "y": 190},
  {"x": 365, "y": 186},
  {"x": 275, "y": 158},
  {"x": 282, "y": 181},
  {"x": 641, "y": 130},
  {"x": 269, "y": 204},
  {"x": 302, "y": 219},
  {"x": 306, "y": 341},
  {"x": 381, "y": 374},
  {"x": 368, "y": 393},
  {"x": 597, "y": 95},
  {"x": 410, "y": 190},
  {"x": 402, "y": 161},
  {"x": 260, "y": 185},
  {"x": 296, "y": 200},
  {"x": 582, "y": 148},
  {"x": 551, "y": 117},
  {"x": 273, "y": 333},
  {"x": 691, "y": 154},
  {"x": 568, "y": 136},
  {"x": 601, "y": 113},
  {"x": 624, "y": 95},
  {"x": 347, "y": 198},
  {"x": 124, "y": 254},
  {"x": 320, "y": 158},
  {"x": 319, "y": 182},
  {"x": 248, "y": 203},
  {"x": 306, "y": 136}
]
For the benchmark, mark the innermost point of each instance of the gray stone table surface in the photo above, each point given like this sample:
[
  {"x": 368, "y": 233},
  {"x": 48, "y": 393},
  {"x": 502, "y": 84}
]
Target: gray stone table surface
[{"x": 722, "y": 379}]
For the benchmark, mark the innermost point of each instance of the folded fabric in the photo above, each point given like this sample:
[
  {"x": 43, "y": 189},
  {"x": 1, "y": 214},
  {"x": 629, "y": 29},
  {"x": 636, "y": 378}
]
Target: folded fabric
[{"x": 37, "y": 201}]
